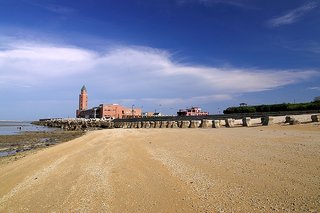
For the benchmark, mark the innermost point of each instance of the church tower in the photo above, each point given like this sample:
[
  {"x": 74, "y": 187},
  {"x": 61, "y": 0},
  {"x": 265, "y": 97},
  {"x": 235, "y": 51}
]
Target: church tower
[{"x": 83, "y": 99}]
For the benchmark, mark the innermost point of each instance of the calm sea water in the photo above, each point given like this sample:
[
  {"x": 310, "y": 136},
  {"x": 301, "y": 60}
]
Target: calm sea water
[{"x": 16, "y": 127}]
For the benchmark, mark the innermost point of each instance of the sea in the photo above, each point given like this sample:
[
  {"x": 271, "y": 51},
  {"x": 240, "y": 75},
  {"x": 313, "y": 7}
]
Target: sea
[{"x": 16, "y": 127}]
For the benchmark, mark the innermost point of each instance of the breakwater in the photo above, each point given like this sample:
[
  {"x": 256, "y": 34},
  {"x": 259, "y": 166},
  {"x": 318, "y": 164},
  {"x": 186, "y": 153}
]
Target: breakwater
[
  {"x": 75, "y": 123},
  {"x": 186, "y": 122}
]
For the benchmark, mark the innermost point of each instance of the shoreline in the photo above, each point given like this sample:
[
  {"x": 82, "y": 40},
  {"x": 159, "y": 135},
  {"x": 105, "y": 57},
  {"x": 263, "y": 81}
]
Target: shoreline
[
  {"x": 15, "y": 121},
  {"x": 14, "y": 124},
  {"x": 13, "y": 147}
]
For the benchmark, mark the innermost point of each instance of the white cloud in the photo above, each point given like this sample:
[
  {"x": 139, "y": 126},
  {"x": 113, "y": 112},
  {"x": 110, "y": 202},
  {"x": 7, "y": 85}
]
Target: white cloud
[
  {"x": 30, "y": 62},
  {"x": 134, "y": 73},
  {"x": 293, "y": 15},
  {"x": 314, "y": 88}
]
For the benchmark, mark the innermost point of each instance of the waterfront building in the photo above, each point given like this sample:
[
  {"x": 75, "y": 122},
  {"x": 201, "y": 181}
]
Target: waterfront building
[
  {"x": 104, "y": 110},
  {"x": 148, "y": 114},
  {"x": 193, "y": 111},
  {"x": 118, "y": 111}
]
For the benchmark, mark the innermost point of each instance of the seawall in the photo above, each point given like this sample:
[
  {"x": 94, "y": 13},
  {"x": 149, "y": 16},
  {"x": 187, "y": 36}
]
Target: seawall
[{"x": 186, "y": 122}]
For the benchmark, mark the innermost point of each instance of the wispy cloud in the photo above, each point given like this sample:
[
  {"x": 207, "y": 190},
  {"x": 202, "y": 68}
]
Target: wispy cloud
[
  {"x": 305, "y": 46},
  {"x": 59, "y": 9},
  {"x": 292, "y": 16},
  {"x": 137, "y": 73},
  {"x": 308, "y": 46},
  {"x": 234, "y": 3},
  {"x": 314, "y": 88},
  {"x": 55, "y": 8},
  {"x": 185, "y": 101}
]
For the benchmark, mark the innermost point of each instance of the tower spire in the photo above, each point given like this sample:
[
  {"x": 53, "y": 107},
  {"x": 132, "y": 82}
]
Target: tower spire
[{"x": 83, "y": 99}]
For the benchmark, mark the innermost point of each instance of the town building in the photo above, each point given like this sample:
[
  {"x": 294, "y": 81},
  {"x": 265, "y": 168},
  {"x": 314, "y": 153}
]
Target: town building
[
  {"x": 157, "y": 114},
  {"x": 118, "y": 111},
  {"x": 193, "y": 111},
  {"x": 151, "y": 114},
  {"x": 104, "y": 110},
  {"x": 147, "y": 114}
]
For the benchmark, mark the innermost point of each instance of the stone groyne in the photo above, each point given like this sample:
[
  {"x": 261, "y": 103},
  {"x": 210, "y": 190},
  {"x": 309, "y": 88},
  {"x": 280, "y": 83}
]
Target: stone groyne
[
  {"x": 82, "y": 124},
  {"x": 75, "y": 124}
]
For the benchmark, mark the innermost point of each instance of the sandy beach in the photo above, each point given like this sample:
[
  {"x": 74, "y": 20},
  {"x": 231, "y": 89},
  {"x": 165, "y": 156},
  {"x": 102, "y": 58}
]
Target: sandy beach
[{"x": 268, "y": 169}]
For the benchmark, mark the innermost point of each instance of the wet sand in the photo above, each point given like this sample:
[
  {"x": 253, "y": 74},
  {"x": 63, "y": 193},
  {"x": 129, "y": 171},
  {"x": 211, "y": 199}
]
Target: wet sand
[
  {"x": 25, "y": 143},
  {"x": 268, "y": 169}
]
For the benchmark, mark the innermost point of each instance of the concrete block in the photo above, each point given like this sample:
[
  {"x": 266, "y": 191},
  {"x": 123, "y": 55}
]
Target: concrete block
[
  {"x": 229, "y": 122},
  {"x": 246, "y": 121},
  {"x": 185, "y": 124},
  {"x": 194, "y": 123},
  {"x": 222, "y": 122},
  {"x": 315, "y": 118},
  {"x": 174, "y": 124},
  {"x": 289, "y": 119},
  {"x": 216, "y": 124},
  {"x": 157, "y": 124},
  {"x": 163, "y": 124},
  {"x": 267, "y": 120},
  {"x": 294, "y": 121},
  {"x": 135, "y": 125},
  {"x": 145, "y": 124},
  {"x": 206, "y": 123}
]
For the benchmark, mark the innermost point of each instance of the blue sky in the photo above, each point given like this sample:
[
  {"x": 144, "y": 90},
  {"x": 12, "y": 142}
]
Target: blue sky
[{"x": 156, "y": 54}]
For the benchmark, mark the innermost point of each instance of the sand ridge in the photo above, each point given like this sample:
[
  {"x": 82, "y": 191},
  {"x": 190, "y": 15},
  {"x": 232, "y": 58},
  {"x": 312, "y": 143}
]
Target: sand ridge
[{"x": 263, "y": 169}]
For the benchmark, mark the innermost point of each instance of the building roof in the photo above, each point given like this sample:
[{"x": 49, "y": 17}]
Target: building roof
[{"x": 83, "y": 88}]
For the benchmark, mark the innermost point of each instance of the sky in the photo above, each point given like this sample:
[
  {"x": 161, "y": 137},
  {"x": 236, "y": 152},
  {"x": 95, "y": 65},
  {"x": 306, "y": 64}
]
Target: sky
[{"x": 158, "y": 55}]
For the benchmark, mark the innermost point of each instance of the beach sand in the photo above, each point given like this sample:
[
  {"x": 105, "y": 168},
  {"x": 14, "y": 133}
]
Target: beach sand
[{"x": 268, "y": 169}]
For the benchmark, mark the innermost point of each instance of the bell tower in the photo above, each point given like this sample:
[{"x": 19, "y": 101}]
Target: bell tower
[{"x": 83, "y": 99}]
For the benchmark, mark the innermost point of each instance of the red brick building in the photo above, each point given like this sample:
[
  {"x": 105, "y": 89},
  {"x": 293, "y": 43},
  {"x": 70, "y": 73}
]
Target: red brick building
[
  {"x": 118, "y": 111},
  {"x": 104, "y": 110}
]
